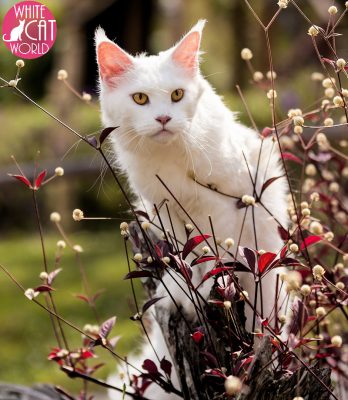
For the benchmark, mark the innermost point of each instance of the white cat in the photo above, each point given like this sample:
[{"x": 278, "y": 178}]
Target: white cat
[
  {"x": 172, "y": 123},
  {"x": 16, "y": 32}
]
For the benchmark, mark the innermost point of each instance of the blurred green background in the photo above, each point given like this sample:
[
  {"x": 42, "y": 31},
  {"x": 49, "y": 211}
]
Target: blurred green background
[{"x": 137, "y": 25}]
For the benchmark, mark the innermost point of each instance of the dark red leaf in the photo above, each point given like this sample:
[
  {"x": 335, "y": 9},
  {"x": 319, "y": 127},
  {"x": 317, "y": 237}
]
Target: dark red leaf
[
  {"x": 43, "y": 288},
  {"x": 265, "y": 261},
  {"x": 105, "y": 133},
  {"x": 283, "y": 252},
  {"x": 86, "y": 354},
  {"x": 151, "y": 302},
  {"x": 197, "y": 336},
  {"x": 52, "y": 275},
  {"x": 106, "y": 327},
  {"x": 200, "y": 260},
  {"x": 82, "y": 297},
  {"x": 284, "y": 234},
  {"x": 39, "y": 179},
  {"x": 138, "y": 274},
  {"x": 292, "y": 157},
  {"x": 166, "y": 366},
  {"x": 269, "y": 182},
  {"x": 210, "y": 359},
  {"x": 249, "y": 257},
  {"x": 309, "y": 241},
  {"x": 192, "y": 243},
  {"x": 214, "y": 272},
  {"x": 299, "y": 316},
  {"x": 266, "y": 131},
  {"x": 22, "y": 179},
  {"x": 328, "y": 61},
  {"x": 150, "y": 366}
]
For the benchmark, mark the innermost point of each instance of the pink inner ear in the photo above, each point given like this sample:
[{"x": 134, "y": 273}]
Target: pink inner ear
[
  {"x": 186, "y": 54},
  {"x": 112, "y": 61}
]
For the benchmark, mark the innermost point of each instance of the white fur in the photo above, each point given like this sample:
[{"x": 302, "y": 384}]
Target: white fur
[{"x": 206, "y": 140}]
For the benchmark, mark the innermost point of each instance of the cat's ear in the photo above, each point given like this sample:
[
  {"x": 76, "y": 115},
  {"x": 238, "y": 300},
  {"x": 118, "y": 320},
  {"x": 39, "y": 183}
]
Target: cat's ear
[
  {"x": 113, "y": 62},
  {"x": 186, "y": 52}
]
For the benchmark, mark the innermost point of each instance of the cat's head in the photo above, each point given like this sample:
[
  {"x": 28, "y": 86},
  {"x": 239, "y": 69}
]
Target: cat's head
[{"x": 150, "y": 97}]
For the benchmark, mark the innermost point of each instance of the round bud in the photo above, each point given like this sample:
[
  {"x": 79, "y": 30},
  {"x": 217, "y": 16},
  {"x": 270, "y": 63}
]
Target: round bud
[
  {"x": 336, "y": 341},
  {"x": 137, "y": 257},
  {"x": 55, "y": 217},
  {"x": 20, "y": 63},
  {"x": 59, "y": 171},
  {"x": 332, "y": 10},
  {"x": 246, "y": 54},
  {"x": 77, "y": 215},
  {"x": 62, "y": 75},
  {"x": 313, "y": 31},
  {"x": 258, "y": 76}
]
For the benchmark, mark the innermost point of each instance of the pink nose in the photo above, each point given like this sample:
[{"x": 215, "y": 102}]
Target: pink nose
[{"x": 163, "y": 119}]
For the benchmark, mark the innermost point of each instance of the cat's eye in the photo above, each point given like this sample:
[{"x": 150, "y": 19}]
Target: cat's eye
[
  {"x": 177, "y": 95},
  {"x": 140, "y": 98}
]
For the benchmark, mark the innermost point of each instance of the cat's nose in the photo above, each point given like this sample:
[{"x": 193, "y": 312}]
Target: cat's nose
[{"x": 163, "y": 119}]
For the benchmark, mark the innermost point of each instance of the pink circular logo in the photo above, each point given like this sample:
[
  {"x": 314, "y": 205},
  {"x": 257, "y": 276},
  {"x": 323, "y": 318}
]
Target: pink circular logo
[{"x": 29, "y": 29}]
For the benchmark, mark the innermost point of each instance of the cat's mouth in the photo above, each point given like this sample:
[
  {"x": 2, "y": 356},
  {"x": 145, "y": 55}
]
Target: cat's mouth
[{"x": 163, "y": 136}]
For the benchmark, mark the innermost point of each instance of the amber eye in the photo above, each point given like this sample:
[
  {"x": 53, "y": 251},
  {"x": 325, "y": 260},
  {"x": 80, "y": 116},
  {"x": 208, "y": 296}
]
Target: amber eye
[
  {"x": 140, "y": 98},
  {"x": 177, "y": 95}
]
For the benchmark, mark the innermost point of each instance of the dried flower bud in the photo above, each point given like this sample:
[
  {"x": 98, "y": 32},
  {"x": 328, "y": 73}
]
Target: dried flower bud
[
  {"x": 332, "y": 10},
  {"x": 293, "y": 248},
  {"x": 338, "y": 268},
  {"x": 334, "y": 187},
  {"x": 336, "y": 341},
  {"x": 271, "y": 74},
  {"x": 345, "y": 172},
  {"x": 345, "y": 94},
  {"x": 43, "y": 275},
  {"x": 229, "y": 242},
  {"x": 258, "y": 76},
  {"x": 59, "y": 171},
  {"x": 55, "y": 217},
  {"x": 272, "y": 94},
  {"x": 328, "y": 82},
  {"x": 77, "y": 248},
  {"x": 137, "y": 257},
  {"x": 206, "y": 249},
  {"x": 298, "y": 121},
  {"x": 327, "y": 122},
  {"x": 341, "y": 63},
  {"x": 305, "y": 290},
  {"x": 320, "y": 311},
  {"x": 298, "y": 398},
  {"x": 325, "y": 103},
  {"x": 282, "y": 319},
  {"x": 13, "y": 82},
  {"x": 62, "y": 75},
  {"x": 233, "y": 385},
  {"x": 145, "y": 225},
  {"x": 123, "y": 226},
  {"x": 315, "y": 196},
  {"x": 317, "y": 76},
  {"x": 318, "y": 272},
  {"x": 340, "y": 285},
  {"x": 244, "y": 295},
  {"x": 61, "y": 244},
  {"x": 345, "y": 257},
  {"x": 20, "y": 63},
  {"x": 246, "y": 54},
  {"x": 330, "y": 92},
  {"x": 313, "y": 31},
  {"x": 306, "y": 212},
  {"x": 329, "y": 236},
  {"x": 77, "y": 215},
  {"x": 166, "y": 260},
  {"x": 298, "y": 130},
  {"x": 86, "y": 97},
  {"x": 310, "y": 170},
  {"x": 283, "y": 3},
  {"x": 338, "y": 101},
  {"x": 248, "y": 200},
  {"x": 227, "y": 304},
  {"x": 189, "y": 227},
  {"x": 346, "y": 4}
]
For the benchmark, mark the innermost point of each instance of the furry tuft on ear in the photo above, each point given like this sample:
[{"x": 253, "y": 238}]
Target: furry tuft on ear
[
  {"x": 186, "y": 52},
  {"x": 113, "y": 62}
]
